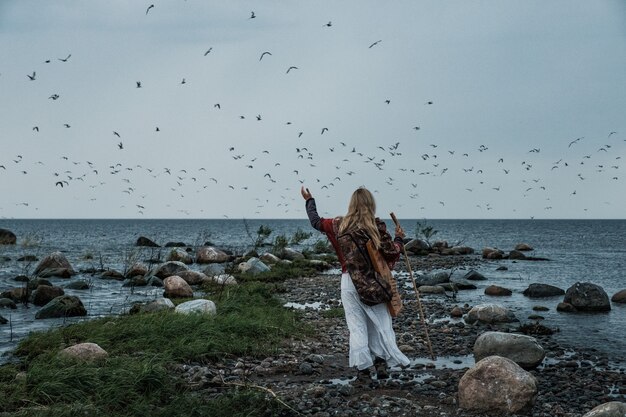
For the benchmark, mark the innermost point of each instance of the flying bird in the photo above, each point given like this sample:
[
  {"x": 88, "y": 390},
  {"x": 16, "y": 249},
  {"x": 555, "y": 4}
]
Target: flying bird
[
  {"x": 208, "y": 51},
  {"x": 252, "y": 15},
  {"x": 574, "y": 141},
  {"x": 138, "y": 84},
  {"x": 65, "y": 59},
  {"x": 264, "y": 53},
  {"x": 290, "y": 68},
  {"x": 31, "y": 77},
  {"x": 120, "y": 145},
  {"x": 149, "y": 7},
  {"x": 375, "y": 43},
  {"x": 116, "y": 134}
]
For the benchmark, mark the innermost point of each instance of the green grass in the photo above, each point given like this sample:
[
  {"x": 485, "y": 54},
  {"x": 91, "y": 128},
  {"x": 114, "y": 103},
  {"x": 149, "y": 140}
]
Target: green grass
[
  {"x": 333, "y": 313},
  {"x": 281, "y": 272},
  {"x": 136, "y": 379}
]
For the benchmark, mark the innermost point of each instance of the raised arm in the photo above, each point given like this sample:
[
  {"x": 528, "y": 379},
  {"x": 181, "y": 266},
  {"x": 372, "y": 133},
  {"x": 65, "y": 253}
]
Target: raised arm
[{"x": 311, "y": 209}]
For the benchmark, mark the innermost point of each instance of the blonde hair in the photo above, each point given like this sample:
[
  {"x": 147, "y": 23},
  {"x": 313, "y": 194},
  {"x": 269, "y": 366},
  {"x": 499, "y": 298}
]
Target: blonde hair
[{"x": 361, "y": 215}]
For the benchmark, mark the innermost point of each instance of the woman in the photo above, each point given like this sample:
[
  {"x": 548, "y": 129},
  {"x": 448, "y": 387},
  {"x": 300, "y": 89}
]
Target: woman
[{"x": 372, "y": 339}]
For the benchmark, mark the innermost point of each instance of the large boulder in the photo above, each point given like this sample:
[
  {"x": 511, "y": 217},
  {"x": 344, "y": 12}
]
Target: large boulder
[
  {"x": 18, "y": 295},
  {"x": 144, "y": 241},
  {"x": 585, "y": 296},
  {"x": 291, "y": 254},
  {"x": 197, "y": 306},
  {"x": 210, "y": 254},
  {"x": 542, "y": 290},
  {"x": 55, "y": 264},
  {"x": 610, "y": 409},
  {"x": 522, "y": 247},
  {"x": 253, "y": 266},
  {"x": 462, "y": 250},
  {"x": 159, "y": 304},
  {"x": 63, "y": 306},
  {"x": 417, "y": 246},
  {"x": 515, "y": 254},
  {"x": 433, "y": 278},
  {"x": 497, "y": 385},
  {"x": 44, "y": 294},
  {"x": 7, "y": 237},
  {"x": 169, "y": 268},
  {"x": 222, "y": 279},
  {"x": 523, "y": 350},
  {"x": 176, "y": 287},
  {"x": 85, "y": 352},
  {"x": 490, "y": 313},
  {"x": 193, "y": 277},
  {"x": 180, "y": 256},
  {"x": 619, "y": 297}
]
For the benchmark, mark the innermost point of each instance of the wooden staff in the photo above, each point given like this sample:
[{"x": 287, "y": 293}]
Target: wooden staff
[{"x": 417, "y": 293}]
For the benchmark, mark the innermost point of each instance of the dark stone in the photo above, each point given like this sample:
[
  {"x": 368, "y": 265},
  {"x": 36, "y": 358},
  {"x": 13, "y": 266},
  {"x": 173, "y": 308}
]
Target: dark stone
[
  {"x": 7, "y": 237},
  {"x": 3, "y": 320},
  {"x": 7, "y": 303},
  {"x": 619, "y": 297},
  {"x": 502, "y": 268},
  {"x": 44, "y": 294},
  {"x": 19, "y": 295},
  {"x": 175, "y": 244},
  {"x": 137, "y": 281},
  {"x": 497, "y": 291},
  {"x": 515, "y": 254},
  {"x": 78, "y": 285},
  {"x": 57, "y": 263},
  {"x": 542, "y": 290},
  {"x": 112, "y": 274},
  {"x": 585, "y": 296},
  {"x": 21, "y": 278},
  {"x": 35, "y": 283},
  {"x": 474, "y": 276},
  {"x": 63, "y": 306},
  {"x": 144, "y": 241}
]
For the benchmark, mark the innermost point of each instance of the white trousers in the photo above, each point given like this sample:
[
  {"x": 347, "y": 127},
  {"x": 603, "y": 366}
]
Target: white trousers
[{"x": 371, "y": 331}]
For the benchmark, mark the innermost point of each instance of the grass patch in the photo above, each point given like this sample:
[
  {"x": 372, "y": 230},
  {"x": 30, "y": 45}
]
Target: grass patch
[
  {"x": 333, "y": 313},
  {"x": 281, "y": 272},
  {"x": 136, "y": 379}
]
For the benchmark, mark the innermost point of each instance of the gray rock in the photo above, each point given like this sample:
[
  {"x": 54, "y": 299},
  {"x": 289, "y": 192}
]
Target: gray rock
[
  {"x": 492, "y": 253},
  {"x": 214, "y": 269},
  {"x": 610, "y": 409},
  {"x": 169, "y": 268},
  {"x": 585, "y": 296},
  {"x": 253, "y": 266},
  {"x": 490, "y": 313},
  {"x": 63, "y": 306},
  {"x": 78, "y": 285},
  {"x": 431, "y": 289},
  {"x": 155, "y": 282},
  {"x": 7, "y": 237},
  {"x": 433, "y": 278},
  {"x": 57, "y": 262},
  {"x": 16, "y": 294},
  {"x": 200, "y": 306},
  {"x": 269, "y": 258},
  {"x": 222, "y": 279},
  {"x": 144, "y": 241},
  {"x": 523, "y": 350},
  {"x": 3, "y": 320},
  {"x": 542, "y": 290},
  {"x": 137, "y": 268},
  {"x": 179, "y": 256},
  {"x": 497, "y": 385},
  {"x": 138, "y": 281},
  {"x": 417, "y": 246},
  {"x": 160, "y": 304},
  {"x": 175, "y": 244},
  {"x": 112, "y": 274},
  {"x": 566, "y": 308},
  {"x": 474, "y": 276}
]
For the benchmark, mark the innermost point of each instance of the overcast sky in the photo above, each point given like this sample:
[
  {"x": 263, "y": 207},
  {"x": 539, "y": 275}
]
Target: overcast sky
[{"x": 444, "y": 109}]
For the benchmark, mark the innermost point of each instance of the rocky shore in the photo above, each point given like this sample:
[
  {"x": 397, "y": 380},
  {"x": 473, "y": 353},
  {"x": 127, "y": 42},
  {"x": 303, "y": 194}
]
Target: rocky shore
[{"x": 311, "y": 376}]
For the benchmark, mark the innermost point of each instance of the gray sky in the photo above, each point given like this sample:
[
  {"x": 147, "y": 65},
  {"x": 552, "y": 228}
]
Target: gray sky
[{"x": 487, "y": 101}]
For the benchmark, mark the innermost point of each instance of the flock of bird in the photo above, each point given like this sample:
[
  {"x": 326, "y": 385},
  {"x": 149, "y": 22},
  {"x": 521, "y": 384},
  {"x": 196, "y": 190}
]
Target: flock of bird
[{"x": 320, "y": 160}]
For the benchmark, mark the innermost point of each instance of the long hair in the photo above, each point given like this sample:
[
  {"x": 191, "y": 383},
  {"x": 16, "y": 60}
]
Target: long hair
[{"x": 361, "y": 215}]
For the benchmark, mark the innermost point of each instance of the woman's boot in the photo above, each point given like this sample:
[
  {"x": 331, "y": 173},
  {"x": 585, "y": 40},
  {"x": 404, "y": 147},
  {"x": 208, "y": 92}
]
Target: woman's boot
[{"x": 381, "y": 369}]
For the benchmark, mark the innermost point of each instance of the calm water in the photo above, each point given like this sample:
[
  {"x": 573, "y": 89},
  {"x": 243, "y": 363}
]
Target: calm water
[{"x": 580, "y": 250}]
